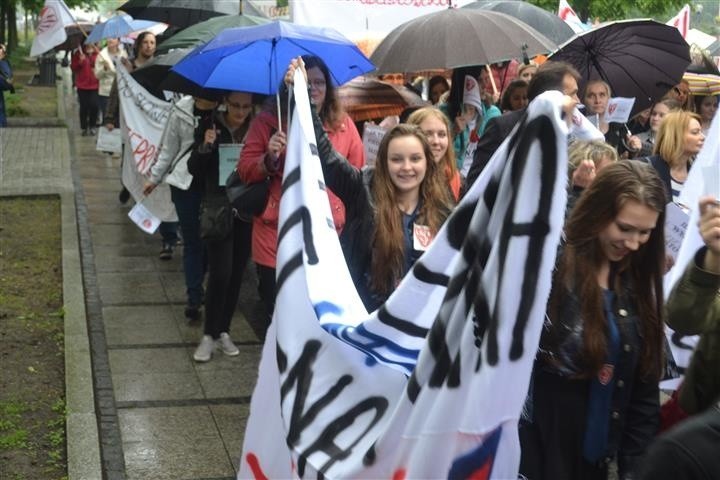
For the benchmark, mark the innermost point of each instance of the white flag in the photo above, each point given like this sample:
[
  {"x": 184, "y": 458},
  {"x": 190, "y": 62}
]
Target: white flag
[
  {"x": 418, "y": 389},
  {"x": 681, "y": 21},
  {"x": 566, "y": 12},
  {"x": 619, "y": 109},
  {"x": 53, "y": 19}
]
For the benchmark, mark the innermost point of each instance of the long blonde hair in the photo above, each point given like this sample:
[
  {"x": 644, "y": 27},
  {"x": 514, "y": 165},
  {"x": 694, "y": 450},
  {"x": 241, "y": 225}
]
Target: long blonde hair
[{"x": 388, "y": 240}]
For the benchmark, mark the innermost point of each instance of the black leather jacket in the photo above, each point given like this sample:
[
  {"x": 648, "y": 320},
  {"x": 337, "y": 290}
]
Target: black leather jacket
[{"x": 634, "y": 417}]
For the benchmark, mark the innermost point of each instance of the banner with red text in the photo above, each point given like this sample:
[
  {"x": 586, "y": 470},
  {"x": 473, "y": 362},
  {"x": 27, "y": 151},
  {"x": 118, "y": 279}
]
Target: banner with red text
[
  {"x": 143, "y": 118},
  {"x": 366, "y": 22}
]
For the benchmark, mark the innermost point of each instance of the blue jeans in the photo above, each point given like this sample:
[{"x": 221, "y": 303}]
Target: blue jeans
[{"x": 187, "y": 206}]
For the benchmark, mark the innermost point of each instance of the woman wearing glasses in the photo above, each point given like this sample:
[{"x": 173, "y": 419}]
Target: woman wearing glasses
[
  {"x": 264, "y": 156},
  {"x": 228, "y": 251}
]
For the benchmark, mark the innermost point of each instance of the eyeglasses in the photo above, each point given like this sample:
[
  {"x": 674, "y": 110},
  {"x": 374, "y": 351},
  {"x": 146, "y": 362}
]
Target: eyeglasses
[
  {"x": 240, "y": 106},
  {"x": 320, "y": 83}
]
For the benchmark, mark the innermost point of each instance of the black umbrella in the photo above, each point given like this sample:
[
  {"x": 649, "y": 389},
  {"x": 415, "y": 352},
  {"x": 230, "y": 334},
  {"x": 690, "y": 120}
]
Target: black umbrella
[
  {"x": 181, "y": 13},
  {"x": 549, "y": 24},
  {"x": 156, "y": 72},
  {"x": 642, "y": 59},
  {"x": 457, "y": 37},
  {"x": 76, "y": 35}
]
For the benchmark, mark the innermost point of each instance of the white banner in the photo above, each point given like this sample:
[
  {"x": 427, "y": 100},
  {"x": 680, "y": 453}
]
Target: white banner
[
  {"x": 143, "y": 118},
  {"x": 53, "y": 19},
  {"x": 365, "y": 22},
  {"x": 418, "y": 389}
]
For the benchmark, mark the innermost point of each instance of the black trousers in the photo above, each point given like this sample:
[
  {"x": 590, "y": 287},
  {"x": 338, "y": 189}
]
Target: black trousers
[
  {"x": 89, "y": 106},
  {"x": 227, "y": 259},
  {"x": 266, "y": 288}
]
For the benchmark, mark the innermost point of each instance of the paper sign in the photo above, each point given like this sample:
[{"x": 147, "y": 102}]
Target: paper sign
[
  {"x": 228, "y": 155},
  {"x": 109, "y": 141},
  {"x": 142, "y": 217},
  {"x": 676, "y": 223},
  {"x": 619, "y": 109},
  {"x": 372, "y": 135}
]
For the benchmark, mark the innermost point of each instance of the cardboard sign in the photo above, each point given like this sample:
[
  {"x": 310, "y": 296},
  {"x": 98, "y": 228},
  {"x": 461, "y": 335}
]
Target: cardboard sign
[
  {"x": 372, "y": 136},
  {"x": 619, "y": 109},
  {"x": 109, "y": 140},
  {"x": 676, "y": 223},
  {"x": 143, "y": 218},
  {"x": 228, "y": 155}
]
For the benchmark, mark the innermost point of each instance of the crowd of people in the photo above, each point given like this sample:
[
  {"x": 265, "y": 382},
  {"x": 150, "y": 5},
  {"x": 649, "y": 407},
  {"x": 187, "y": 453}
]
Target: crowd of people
[{"x": 594, "y": 394}]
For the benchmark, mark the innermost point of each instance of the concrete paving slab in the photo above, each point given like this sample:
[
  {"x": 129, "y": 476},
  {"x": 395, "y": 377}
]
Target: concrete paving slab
[
  {"x": 174, "y": 285},
  {"x": 138, "y": 325},
  {"x": 164, "y": 444},
  {"x": 149, "y": 361},
  {"x": 139, "y": 387},
  {"x": 231, "y": 420},
  {"x": 191, "y": 332},
  {"x": 109, "y": 263},
  {"x": 130, "y": 288},
  {"x": 230, "y": 377},
  {"x": 103, "y": 234}
]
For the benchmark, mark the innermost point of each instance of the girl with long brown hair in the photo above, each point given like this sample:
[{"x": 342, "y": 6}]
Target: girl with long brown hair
[
  {"x": 594, "y": 394},
  {"x": 392, "y": 211}
]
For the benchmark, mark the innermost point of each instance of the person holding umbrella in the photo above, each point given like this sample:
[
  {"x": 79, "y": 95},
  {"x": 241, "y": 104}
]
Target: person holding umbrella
[
  {"x": 263, "y": 156},
  {"x": 596, "y": 98}
]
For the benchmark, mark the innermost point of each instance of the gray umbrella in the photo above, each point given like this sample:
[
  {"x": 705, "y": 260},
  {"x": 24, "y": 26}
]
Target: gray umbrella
[
  {"x": 457, "y": 37},
  {"x": 549, "y": 24}
]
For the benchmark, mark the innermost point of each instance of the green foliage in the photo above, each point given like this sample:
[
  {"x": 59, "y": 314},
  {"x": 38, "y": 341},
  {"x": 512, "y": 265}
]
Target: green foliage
[
  {"x": 12, "y": 436},
  {"x": 617, "y": 9}
]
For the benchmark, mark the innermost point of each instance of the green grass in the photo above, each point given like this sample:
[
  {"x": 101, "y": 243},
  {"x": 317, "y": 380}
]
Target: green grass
[{"x": 12, "y": 434}]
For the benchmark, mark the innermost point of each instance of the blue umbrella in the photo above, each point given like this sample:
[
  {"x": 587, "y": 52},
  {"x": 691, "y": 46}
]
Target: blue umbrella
[
  {"x": 116, "y": 27},
  {"x": 254, "y": 59}
]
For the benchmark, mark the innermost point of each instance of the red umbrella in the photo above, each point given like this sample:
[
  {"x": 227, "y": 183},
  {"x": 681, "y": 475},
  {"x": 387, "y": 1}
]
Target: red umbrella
[{"x": 364, "y": 98}]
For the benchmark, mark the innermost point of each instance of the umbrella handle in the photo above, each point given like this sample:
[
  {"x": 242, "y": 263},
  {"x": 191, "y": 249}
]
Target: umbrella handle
[
  {"x": 279, "y": 111},
  {"x": 492, "y": 79}
]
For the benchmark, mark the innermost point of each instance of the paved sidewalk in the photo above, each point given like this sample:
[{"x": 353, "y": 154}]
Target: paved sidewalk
[{"x": 158, "y": 414}]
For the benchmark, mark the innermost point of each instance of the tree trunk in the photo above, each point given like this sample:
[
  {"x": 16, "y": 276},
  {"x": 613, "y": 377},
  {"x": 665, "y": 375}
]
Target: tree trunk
[
  {"x": 12, "y": 33},
  {"x": 3, "y": 17}
]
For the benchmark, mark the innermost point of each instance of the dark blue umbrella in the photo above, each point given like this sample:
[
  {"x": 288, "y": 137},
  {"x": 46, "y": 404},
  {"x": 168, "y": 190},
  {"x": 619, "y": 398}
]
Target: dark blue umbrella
[{"x": 254, "y": 59}]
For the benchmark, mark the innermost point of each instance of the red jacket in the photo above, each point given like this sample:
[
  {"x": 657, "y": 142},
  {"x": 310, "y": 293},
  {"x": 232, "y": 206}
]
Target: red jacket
[
  {"x": 84, "y": 67},
  {"x": 251, "y": 168}
]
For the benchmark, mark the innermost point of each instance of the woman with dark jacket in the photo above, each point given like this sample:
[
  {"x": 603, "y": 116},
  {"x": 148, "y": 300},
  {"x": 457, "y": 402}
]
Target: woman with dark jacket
[
  {"x": 392, "y": 212},
  {"x": 594, "y": 393},
  {"x": 227, "y": 252}
]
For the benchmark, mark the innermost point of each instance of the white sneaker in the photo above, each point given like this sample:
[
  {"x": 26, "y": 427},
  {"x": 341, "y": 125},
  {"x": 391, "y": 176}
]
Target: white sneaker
[
  {"x": 204, "y": 351},
  {"x": 227, "y": 346}
]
